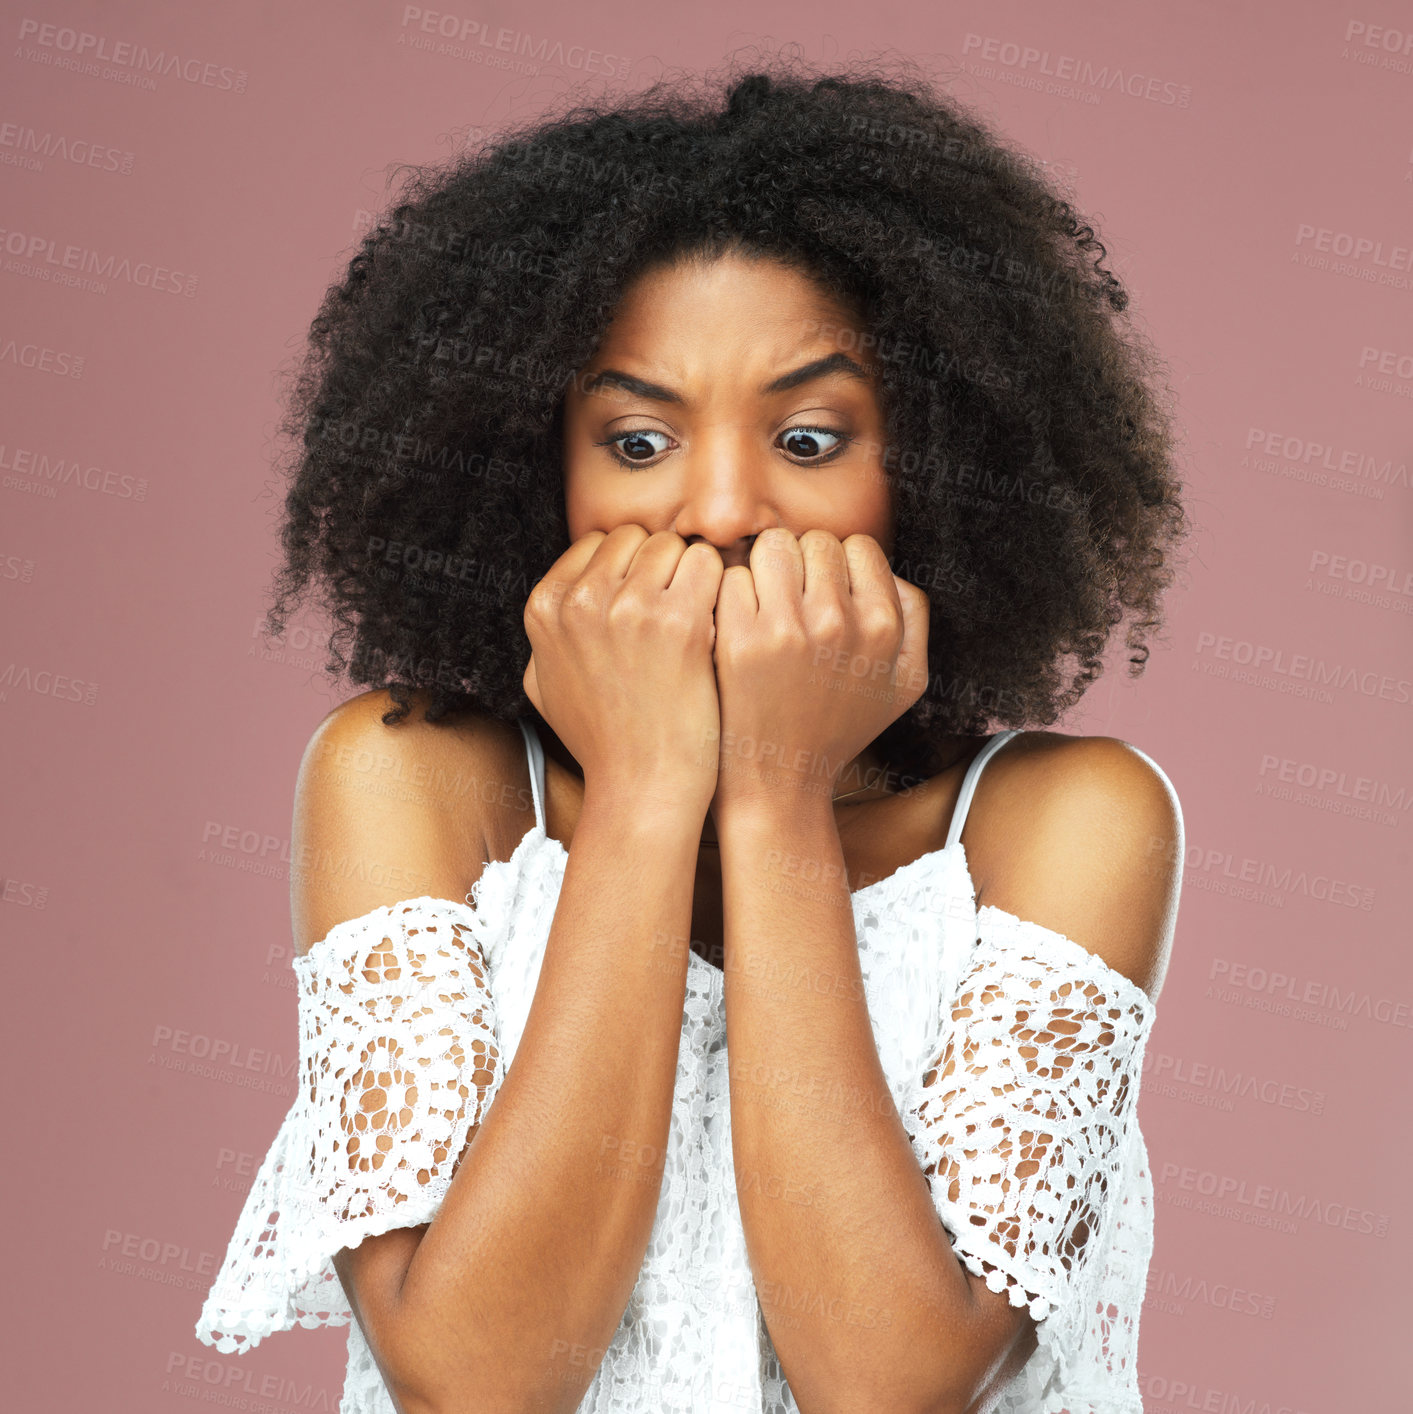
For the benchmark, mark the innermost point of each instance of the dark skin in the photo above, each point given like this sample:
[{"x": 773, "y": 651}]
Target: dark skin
[
  {"x": 729, "y": 530},
  {"x": 747, "y": 499},
  {"x": 722, "y": 464},
  {"x": 744, "y": 526},
  {"x": 879, "y": 832}
]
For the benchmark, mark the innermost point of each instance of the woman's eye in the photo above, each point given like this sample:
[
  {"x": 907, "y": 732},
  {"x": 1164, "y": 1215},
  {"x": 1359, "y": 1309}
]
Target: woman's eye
[
  {"x": 806, "y": 445},
  {"x": 811, "y": 443},
  {"x": 635, "y": 445}
]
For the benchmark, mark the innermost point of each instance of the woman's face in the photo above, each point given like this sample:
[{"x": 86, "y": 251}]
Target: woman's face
[{"x": 675, "y": 424}]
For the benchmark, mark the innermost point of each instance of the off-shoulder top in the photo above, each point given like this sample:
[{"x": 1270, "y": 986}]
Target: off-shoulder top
[{"x": 989, "y": 1028}]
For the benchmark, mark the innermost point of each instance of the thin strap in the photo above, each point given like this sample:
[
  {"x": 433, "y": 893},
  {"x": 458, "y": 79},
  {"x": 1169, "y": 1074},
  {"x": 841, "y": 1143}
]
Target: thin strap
[
  {"x": 536, "y": 754},
  {"x": 959, "y": 814}
]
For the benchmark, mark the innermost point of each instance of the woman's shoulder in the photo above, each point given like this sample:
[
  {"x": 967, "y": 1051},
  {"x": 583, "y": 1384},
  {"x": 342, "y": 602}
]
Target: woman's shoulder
[
  {"x": 1042, "y": 789},
  {"x": 1063, "y": 765},
  {"x": 364, "y": 712},
  {"x": 386, "y": 812},
  {"x": 1082, "y": 835}
]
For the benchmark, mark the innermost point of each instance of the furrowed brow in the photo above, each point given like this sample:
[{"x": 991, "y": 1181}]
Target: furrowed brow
[
  {"x": 821, "y": 368},
  {"x": 639, "y": 387},
  {"x": 655, "y": 392}
]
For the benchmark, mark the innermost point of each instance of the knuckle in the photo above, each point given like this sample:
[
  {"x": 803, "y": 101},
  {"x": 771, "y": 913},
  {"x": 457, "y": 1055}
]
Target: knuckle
[
  {"x": 789, "y": 635},
  {"x": 881, "y": 621},
  {"x": 681, "y": 623},
  {"x": 627, "y": 608},
  {"x": 581, "y": 598}
]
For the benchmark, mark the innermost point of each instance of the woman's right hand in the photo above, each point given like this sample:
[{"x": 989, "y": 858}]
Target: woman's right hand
[{"x": 621, "y": 633}]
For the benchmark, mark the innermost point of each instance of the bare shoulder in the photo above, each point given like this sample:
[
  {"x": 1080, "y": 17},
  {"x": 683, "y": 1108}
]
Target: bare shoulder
[
  {"x": 1082, "y": 835},
  {"x": 1103, "y": 769},
  {"x": 384, "y": 813}
]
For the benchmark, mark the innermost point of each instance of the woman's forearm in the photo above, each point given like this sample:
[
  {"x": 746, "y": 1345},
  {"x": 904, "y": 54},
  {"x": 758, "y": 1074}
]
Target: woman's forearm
[
  {"x": 517, "y": 1287},
  {"x": 865, "y": 1301}
]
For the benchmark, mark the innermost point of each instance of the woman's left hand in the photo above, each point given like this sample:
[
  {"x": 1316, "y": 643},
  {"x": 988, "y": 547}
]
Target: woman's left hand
[{"x": 819, "y": 647}]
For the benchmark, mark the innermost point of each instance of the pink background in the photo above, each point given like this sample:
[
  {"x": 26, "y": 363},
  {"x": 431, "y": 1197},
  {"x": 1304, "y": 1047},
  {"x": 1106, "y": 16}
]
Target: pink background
[{"x": 1250, "y": 173}]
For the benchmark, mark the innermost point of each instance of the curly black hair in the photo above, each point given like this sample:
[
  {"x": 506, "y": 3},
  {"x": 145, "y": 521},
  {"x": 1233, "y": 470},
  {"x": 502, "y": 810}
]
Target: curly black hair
[{"x": 1029, "y": 452}]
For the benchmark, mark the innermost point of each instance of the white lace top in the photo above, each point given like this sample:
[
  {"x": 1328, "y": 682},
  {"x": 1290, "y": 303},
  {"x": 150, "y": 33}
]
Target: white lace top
[{"x": 436, "y": 994}]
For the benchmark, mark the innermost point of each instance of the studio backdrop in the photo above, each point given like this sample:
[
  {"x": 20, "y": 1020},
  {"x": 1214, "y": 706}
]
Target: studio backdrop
[{"x": 183, "y": 183}]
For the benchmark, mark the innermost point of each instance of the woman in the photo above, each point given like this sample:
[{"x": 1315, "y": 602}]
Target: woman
[{"x": 754, "y": 456}]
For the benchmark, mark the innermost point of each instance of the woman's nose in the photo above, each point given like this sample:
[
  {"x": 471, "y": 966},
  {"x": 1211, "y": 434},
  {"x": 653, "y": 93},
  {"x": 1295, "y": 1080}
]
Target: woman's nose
[
  {"x": 738, "y": 552},
  {"x": 725, "y": 506}
]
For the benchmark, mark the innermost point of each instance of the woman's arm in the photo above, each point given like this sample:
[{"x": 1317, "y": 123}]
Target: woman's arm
[
  {"x": 508, "y": 1298},
  {"x": 865, "y": 1297}
]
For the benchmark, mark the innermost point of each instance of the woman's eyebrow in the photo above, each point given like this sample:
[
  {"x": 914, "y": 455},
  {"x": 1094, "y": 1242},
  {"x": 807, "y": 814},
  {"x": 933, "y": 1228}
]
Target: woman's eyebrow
[{"x": 819, "y": 368}]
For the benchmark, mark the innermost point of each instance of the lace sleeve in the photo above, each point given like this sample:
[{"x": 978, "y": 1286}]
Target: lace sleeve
[
  {"x": 1026, "y": 1125},
  {"x": 398, "y": 1061}
]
